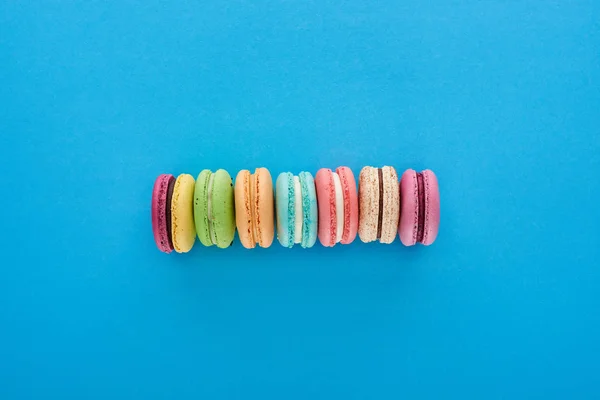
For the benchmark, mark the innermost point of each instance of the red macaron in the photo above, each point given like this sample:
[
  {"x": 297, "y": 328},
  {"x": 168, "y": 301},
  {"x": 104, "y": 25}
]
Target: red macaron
[{"x": 337, "y": 200}]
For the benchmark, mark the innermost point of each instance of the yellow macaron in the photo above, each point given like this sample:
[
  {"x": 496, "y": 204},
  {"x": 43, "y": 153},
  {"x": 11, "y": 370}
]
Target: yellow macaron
[{"x": 182, "y": 214}]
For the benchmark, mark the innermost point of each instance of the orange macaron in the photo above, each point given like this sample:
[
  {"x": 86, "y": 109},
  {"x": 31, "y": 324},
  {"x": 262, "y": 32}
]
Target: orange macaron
[{"x": 254, "y": 209}]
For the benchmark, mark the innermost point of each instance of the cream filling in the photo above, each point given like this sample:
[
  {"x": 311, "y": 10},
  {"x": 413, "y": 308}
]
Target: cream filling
[
  {"x": 298, "y": 214},
  {"x": 209, "y": 207},
  {"x": 339, "y": 207}
]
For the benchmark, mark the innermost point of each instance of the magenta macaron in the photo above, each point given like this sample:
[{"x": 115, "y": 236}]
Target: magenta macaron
[
  {"x": 420, "y": 207},
  {"x": 338, "y": 206},
  {"x": 161, "y": 212}
]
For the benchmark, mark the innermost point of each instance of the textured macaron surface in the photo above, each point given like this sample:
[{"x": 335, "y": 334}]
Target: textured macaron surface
[
  {"x": 432, "y": 207},
  {"x": 161, "y": 212},
  {"x": 285, "y": 207},
  {"x": 409, "y": 219},
  {"x": 350, "y": 204},
  {"x": 391, "y": 205},
  {"x": 182, "y": 214},
  {"x": 263, "y": 205},
  {"x": 222, "y": 216},
  {"x": 201, "y": 207},
  {"x": 368, "y": 194},
  {"x": 325, "y": 190},
  {"x": 244, "y": 209},
  {"x": 310, "y": 211}
]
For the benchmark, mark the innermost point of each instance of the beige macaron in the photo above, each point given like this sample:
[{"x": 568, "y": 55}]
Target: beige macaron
[{"x": 379, "y": 204}]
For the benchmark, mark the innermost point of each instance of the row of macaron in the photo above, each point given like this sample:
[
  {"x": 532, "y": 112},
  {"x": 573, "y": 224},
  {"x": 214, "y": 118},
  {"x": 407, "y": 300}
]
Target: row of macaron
[{"x": 330, "y": 207}]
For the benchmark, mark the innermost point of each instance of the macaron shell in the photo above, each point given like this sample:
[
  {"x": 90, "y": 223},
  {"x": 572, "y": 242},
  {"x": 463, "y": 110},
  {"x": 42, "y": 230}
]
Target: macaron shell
[
  {"x": 223, "y": 209},
  {"x": 432, "y": 207},
  {"x": 159, "y": 211},
  {"x": 350, "y": 205},
  {"x": 368, "y": 201},
  {"x": 298, "y": 211},
  {"x": 284, "y": 205},
  {"x": 201, "y": 207},
  {"x": 182, "y": 210},
  {"x": 243, "y": 209},
  {"x": 265, "y": 223},
  {"x": 409, "y": 214},
  {"x": 391, "y": 205},
  {"x": 309, "y": 210},
  {"x": 326, "y": 205}
]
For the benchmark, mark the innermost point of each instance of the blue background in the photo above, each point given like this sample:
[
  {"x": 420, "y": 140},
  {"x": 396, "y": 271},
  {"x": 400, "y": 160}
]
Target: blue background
[{"x": 501, "y": 99}]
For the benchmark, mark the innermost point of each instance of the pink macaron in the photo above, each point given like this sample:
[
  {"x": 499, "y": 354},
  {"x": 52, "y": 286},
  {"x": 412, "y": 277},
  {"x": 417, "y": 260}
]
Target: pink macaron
[
  {"x": 338, "y": 206},
  {"x": 161, "y": 212},
  {"x": 420, "y": 208}
]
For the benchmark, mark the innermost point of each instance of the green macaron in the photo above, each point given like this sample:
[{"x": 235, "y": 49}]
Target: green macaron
[{"x": 214, "y": 208}]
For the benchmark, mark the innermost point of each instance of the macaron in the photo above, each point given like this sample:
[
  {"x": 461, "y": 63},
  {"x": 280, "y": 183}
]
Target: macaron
[
  {"x": 338, "y": 206},
  {"x": 420, "y": 204},
  {"x": 254, "y": 212},
  {"x": 161, "y": 212},
  {"x": 296, "y": 208},
  {"x": 182, "y": 214},
  {"x": 214, "y": 211},
  {"x": 379, "y": 204}
]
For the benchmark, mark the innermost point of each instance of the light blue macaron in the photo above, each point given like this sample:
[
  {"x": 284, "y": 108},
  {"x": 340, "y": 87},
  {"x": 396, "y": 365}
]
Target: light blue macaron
[{"x": 285, "y": 205}]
